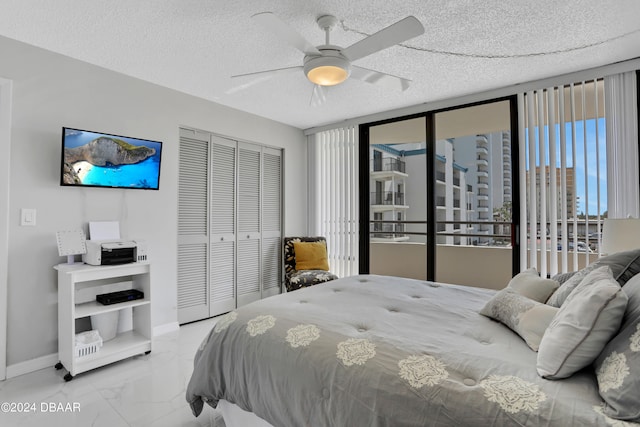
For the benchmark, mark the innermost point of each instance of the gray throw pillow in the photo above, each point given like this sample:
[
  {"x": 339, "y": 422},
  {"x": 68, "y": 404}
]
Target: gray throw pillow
[
  {"x": 618, "y": 366},
  {"x": 531, "y": 285},
  {"x": 624, "y": 265},
  {"x": 563, "y": 277},
  {"x": 524, "y": 316},
  {"x": 588, "y": 319}
]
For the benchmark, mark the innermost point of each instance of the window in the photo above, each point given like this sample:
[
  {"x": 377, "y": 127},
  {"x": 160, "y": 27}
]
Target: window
[
  {"x": 563, "y": 160},
  {"x": 539, "y": 207}
]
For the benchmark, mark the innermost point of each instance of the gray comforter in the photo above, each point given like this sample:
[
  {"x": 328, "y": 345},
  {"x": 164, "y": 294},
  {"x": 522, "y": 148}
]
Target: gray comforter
[{"x": 383, "y": 351}]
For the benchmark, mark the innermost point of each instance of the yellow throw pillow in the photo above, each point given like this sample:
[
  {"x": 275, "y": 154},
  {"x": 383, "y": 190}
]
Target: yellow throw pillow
[{"x": 311, "y": 256}]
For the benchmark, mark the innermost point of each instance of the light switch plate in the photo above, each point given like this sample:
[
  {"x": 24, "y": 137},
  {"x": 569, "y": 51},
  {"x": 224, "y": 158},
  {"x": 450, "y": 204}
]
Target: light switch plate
[{"x": 27, "y": 217}]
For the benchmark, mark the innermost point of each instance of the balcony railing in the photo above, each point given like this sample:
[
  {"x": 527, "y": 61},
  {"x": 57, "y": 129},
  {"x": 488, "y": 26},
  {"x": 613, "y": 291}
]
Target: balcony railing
[
  {"x": 382, "y": 230},
  {"x": 488, "y": 233},
  {"x": 388, "y": 164},
  {"x": 441, "y": 201},
  {"x": 482, "y": 233},
  {"x": 387, "y": 198},
  {"x": 587, "y": 235}
]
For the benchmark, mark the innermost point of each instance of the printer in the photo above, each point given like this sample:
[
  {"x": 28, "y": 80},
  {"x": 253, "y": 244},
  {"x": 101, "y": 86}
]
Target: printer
[{"x": 112, "y": 252}]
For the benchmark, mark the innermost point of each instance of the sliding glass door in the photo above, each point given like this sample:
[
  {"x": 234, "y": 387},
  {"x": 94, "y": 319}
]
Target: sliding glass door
[
  {"x": 442, "y": 200},
  {"x": 396, "y": 173},
  {"x": 474, "y": 195}
]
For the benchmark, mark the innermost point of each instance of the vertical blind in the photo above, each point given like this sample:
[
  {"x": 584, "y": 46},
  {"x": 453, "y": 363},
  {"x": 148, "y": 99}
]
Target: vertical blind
[
  {"x": 560, "y": 148},
  {"x": 333, "y": 195},
  {"x": 622, "y": 145}
]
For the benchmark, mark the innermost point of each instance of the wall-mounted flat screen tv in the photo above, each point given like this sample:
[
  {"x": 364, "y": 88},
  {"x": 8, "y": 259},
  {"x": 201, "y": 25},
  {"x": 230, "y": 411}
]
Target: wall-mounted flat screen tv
[{"x": 94, "y": 159}]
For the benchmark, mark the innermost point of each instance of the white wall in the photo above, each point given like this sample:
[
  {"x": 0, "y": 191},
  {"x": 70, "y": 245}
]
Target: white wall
[{"x": 51, "y": 91}]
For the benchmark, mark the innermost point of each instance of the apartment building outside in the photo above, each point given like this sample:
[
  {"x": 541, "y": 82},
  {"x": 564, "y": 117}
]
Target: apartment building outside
[
  {"x": 473, "y": 181},
  {"x": 570, "y": 197}
]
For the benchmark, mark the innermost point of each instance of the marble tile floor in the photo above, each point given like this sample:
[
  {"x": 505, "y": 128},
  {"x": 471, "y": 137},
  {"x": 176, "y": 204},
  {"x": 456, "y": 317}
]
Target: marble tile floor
[{"x": 146, "y": 390}]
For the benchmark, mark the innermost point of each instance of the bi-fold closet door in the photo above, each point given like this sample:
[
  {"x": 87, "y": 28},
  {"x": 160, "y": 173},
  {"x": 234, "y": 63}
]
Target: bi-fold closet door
[{"x": 230, "y": 224}]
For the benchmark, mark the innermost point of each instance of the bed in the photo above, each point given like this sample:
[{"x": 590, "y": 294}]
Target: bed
[{"x": 384, "y": 351}]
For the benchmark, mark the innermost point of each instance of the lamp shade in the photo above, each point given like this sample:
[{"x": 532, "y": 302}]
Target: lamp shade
[{"x": 619, "y": 235}]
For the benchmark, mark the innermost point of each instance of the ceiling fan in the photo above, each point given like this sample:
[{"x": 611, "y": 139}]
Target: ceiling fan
[{"x": 329, "y": 65}]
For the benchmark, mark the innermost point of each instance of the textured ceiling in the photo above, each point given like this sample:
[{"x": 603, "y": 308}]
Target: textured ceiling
[{"x": 194, "y": 46}]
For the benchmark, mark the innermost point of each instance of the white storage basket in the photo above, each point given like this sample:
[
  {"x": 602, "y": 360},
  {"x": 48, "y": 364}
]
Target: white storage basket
[{"x": 87, "y": 343}]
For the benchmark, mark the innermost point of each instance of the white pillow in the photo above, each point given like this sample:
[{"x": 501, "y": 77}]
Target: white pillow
[
  {"x": 590, "y": 316},
  {"x": 524, "y": 316},
  {"x": 531, "y": 285}
]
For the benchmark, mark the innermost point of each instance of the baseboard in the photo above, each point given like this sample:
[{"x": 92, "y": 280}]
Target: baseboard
[
  {"x": 50, "y": 360},
  {"x": 166, "y": 328},
  {"x": 28, "y": 366}
]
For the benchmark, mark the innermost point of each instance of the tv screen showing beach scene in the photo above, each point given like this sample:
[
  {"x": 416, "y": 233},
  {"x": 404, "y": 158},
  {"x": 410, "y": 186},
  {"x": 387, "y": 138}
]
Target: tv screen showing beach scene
[{"x": 103, "y": 160}]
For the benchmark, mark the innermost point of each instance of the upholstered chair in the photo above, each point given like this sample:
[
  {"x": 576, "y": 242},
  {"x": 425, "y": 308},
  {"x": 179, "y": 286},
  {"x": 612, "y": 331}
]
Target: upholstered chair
[{"x": 310, "y": 266}]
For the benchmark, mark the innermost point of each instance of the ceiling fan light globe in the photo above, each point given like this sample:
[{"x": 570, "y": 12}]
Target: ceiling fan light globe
[
  {"x": 327, "y": 75},
  {"x": 327, "y": 70}
]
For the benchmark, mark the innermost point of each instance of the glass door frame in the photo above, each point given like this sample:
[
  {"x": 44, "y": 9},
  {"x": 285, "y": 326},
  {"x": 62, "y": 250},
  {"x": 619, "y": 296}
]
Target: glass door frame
[{"x": 429, "y": 116}]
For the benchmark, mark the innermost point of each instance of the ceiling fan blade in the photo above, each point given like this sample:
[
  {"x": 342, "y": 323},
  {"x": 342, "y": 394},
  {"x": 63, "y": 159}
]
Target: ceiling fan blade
[
  {"x": 318, "y": 96},
  {"x": 381, "y": 79},
  {"x": 402, "y": 30},
  {"x": 274, "y": 24},
  {"x": 259, "y": 77}
]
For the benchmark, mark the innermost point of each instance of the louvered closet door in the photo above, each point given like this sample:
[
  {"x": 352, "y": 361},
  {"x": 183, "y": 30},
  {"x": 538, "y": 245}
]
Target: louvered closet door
[
  {"x": 248, "y": 216},
  {"x": 223, "y": 226},
  {"x": 193, "y": 292},
  {"x": 271, "y": 221}
]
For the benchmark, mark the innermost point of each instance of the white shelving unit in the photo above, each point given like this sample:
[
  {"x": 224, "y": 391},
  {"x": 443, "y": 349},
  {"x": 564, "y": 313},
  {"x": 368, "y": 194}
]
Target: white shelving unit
[{"x": 76, "y": 279}]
